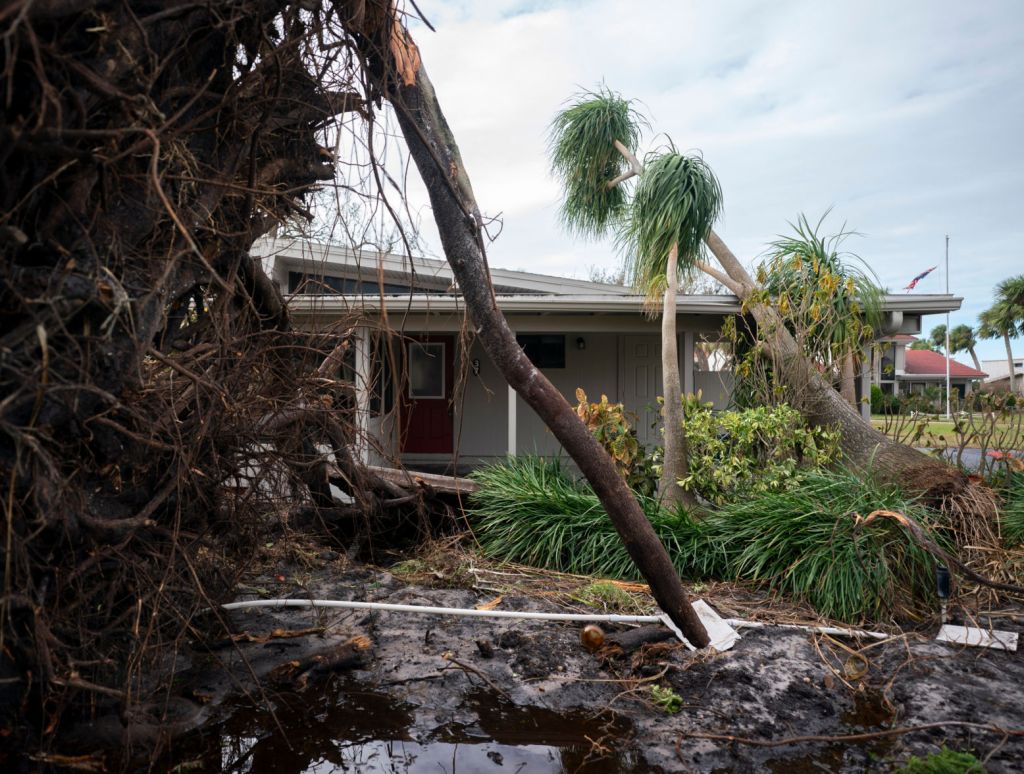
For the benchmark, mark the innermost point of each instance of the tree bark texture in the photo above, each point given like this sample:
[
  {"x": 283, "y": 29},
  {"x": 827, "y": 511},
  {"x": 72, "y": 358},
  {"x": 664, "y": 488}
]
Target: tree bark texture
[
  {"x": 848, "y": 387},
  {"x": 405, "y": 83},
  {"x": 974, "y": 357},
  {"x": 676, "y": 463},
  {"x": 1009, "y": 362}
]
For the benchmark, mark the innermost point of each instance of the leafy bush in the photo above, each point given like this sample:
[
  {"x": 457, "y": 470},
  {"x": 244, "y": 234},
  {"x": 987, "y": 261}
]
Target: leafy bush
[
  {"x": 530, "y": 510},
  {"x": 754, "y": 450},
  {"x": 877, "y": 399},
  {"x": 609, "y": 424}
]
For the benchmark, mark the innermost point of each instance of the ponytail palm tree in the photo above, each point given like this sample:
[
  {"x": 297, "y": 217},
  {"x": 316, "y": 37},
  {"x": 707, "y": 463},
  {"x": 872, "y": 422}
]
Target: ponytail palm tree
[
  {"x": 661, "y": 228},
  {"x": 830, "y": 300}
]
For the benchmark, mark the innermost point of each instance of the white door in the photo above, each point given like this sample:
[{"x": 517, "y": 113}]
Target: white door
[{"x": 640, "y": 380}]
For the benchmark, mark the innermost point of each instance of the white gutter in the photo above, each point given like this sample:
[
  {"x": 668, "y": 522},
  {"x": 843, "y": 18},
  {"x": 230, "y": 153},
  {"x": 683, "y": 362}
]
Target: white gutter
[{"x": 571, "y": 304}]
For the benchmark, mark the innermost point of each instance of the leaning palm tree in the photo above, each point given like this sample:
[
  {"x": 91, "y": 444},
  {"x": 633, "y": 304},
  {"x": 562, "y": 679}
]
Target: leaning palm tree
[
  {"x": 831, "y": 300},
  {"x": 1005, "y": 319},
  {"x": 937, "y": 338},
  {"x": 661, "y": 228},
  {"x": 962, "y": 339}
]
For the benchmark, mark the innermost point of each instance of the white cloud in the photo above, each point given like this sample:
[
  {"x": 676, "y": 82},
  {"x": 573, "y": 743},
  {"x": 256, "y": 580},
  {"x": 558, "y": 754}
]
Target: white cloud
[{"x": 907, "y": 118}]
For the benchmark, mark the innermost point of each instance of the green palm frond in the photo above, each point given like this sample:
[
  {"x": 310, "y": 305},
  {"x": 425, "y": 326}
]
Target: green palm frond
[
  {"x": 584, "y": 158},
  {"x": 999, "y": 319},
  {"x": 835, "y": 294},
  {"x": 962, "y": 339},
  {"x": 1011, "y": 291},
  {"x": 676, "y": 202}
]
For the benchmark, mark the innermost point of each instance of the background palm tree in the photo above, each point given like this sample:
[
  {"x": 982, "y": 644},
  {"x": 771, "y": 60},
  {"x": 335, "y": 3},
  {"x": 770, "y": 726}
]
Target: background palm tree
[
  {"x": 661, "y": 228},
  {"x": 937, "y": 338},
  {"x": 962, "y": 339},
  {"x": 1005, "y": 319},
  {"x": 830, "y": 300}
]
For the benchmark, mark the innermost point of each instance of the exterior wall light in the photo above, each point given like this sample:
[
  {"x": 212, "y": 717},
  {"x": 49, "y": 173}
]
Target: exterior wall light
[{"x": 581, "y": 343}]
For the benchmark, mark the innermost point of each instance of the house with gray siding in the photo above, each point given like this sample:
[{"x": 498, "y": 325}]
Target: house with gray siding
[{"x": 428, "y": 397}]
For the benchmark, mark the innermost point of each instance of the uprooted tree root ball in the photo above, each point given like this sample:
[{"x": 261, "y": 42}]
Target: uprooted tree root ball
[{"x": 158, "y": 408}]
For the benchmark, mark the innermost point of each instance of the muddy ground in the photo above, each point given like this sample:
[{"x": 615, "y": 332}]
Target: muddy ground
[{"x": 425, "y": 696}]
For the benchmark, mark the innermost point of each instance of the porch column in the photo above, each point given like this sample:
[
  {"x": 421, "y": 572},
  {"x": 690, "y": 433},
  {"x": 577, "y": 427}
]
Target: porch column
[
  {"x": 362, "y": 384},
  {"x": 511, "y": 421},
  {"x": 686, "y": 360},
  {"x": 511, "y": 443}
]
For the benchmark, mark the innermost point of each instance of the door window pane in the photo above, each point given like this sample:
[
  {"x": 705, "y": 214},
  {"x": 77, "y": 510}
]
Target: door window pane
[{"x": 426, "y": 369}]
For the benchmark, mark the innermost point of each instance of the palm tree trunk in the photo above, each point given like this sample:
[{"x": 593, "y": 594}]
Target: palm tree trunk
[
  {"x": 393, "y": 57},
  {"x": 848, "y": 386},
  {"x": 676, "y": 465},
  {"x": 974, "y": 357},
  {"x": 812, "y": 395},
  {"x": 1009, "y": 362}
]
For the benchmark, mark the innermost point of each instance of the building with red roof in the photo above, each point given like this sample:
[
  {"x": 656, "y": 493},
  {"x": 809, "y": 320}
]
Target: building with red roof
[{"x": 903, "y": 370}]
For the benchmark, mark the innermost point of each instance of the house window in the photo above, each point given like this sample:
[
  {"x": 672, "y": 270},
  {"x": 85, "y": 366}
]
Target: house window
[
  {"x": 711, "y": 356},
  {"x": 544, "y": 350},
  {"x": 325, "y": 284},
  {"x": 426, "y": 369}
]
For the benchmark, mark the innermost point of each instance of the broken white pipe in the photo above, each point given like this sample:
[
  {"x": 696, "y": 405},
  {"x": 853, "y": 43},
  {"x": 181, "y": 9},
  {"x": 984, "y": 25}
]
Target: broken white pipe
[
  {"x": 460, "y": 611},
  {"x": 739, "y": 623},
  {"x": 537, "y": 616}
]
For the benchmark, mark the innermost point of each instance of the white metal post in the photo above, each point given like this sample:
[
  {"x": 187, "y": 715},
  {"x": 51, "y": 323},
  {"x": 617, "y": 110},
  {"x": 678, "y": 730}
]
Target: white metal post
[{"x": 948, "y": 413}]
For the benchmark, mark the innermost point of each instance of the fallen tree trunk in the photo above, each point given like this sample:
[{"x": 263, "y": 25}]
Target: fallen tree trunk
[
  {"x": 811, "y": 394},
  {"x": 404, "y": 82}
]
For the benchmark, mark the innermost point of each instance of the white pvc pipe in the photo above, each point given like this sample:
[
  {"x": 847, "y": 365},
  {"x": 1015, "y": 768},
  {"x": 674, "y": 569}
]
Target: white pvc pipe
[
  {"x": 470, "y": 613},
  {"x": 738, "y": 623}
]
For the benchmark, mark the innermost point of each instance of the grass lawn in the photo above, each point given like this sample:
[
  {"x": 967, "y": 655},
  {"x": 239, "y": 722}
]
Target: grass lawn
[{"x": 936, "y": 428}]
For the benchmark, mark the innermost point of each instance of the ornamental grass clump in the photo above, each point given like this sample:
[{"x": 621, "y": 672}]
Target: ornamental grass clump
[
  {"x": 530, "y": 510},
  {"x": 805, "y": 542},
  {"x": 1011, "y": 515}
]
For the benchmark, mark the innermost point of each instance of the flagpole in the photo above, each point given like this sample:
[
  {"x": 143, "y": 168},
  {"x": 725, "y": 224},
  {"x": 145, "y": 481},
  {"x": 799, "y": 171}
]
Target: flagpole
[{"x": 947, "y": 329}]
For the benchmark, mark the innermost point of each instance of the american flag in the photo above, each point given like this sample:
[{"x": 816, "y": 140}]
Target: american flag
[{"x": 918, "y": 278}]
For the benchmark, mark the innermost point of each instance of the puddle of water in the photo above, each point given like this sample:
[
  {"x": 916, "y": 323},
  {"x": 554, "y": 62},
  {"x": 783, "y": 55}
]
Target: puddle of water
[
  {"x": 869, "y": 711},
  {"x": 342, "y": 727}
]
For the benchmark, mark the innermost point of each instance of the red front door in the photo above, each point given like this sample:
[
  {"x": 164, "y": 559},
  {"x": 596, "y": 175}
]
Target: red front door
[{"x": 426, "y": 402}]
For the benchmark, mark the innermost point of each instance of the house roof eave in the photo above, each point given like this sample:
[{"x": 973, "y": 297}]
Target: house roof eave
[{"x": 574, "y": 304}]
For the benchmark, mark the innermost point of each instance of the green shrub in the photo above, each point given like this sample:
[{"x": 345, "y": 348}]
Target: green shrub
[
  {"x": 754, "y": 450},
  {"x": 530, "y": 510},
  {"x": 804, "y": 542},
  {"x": 609, "y": 423},
  {"x": 945, "y": 761},
  {"x": 877, "y": 399}
]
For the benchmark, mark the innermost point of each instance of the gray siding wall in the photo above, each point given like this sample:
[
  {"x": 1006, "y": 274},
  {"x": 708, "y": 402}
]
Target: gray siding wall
[{"x": 595, "y": 369}]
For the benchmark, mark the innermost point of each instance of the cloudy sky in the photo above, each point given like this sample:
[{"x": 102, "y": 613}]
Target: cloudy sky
[{"x": 906, "y": 118}]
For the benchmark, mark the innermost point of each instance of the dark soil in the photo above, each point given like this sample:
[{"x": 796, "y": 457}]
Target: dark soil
[{"x": 454, "y": 694}]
